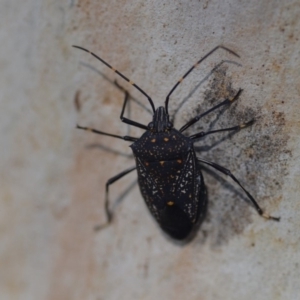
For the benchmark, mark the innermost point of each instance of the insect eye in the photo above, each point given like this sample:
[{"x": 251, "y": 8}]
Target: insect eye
[
  {"x": 151, "y": 125},
  {"x": 170, "y": 125}
]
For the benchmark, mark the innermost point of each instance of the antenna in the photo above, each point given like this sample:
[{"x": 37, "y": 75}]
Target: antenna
[
  {"x": 192, "y": 68},
  {"x": 120, "y": 74}
]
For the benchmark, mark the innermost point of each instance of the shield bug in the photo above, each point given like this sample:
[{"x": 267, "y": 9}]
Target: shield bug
[{"x": 169, "y": 172}]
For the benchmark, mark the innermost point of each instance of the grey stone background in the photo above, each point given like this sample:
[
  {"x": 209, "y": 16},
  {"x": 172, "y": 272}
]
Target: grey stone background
[{"x": 53, "y": 176}]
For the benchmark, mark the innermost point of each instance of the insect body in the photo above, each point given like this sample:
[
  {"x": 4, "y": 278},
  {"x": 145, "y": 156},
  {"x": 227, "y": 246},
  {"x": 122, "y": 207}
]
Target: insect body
[
  {"x": 169, "y": 176},
  {"x": 168, "y": 169}
]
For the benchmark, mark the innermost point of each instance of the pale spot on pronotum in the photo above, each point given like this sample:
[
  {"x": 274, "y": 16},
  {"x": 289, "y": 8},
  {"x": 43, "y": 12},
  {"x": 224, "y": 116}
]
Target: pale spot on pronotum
[
  {"x": 170, "y": 203},
  {"x": 166, "y": 139},
  {"x": 153, "y": 140}
]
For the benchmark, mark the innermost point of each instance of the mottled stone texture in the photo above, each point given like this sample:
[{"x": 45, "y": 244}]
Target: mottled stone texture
[{"x": 53, "y": 176}]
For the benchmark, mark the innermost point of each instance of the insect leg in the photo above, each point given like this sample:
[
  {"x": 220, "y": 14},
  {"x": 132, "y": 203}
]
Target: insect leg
[
  {"x": 125, "y": 137},
  {"x": 228, "y": 173},
  {"x": 109, "y": 214},
  {"x": 197, "y": 118},
  {"x": 126, "y": 120},
  {"x": 234, "y": 128},
  {"x": 133, "y": 99}
]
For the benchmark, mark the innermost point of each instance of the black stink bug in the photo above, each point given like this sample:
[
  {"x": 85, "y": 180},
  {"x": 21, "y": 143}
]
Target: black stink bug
[{"x": 169, "y": 172}]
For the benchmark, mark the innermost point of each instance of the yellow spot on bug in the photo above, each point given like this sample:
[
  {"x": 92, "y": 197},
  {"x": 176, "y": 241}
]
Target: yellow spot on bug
[
  {"x": 146, "y": 163},
  {"x": 131, "y": 82},
  {"x": 179, "y": 161},
  {"x": 166, "y": 139},
  {"x": 153, "y": 140},
  {"x": 162, "y": 163},
  {"x": 170, "y": 203}
]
